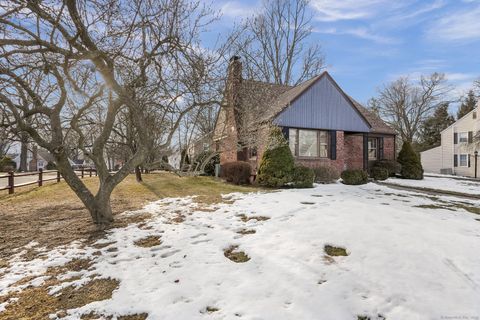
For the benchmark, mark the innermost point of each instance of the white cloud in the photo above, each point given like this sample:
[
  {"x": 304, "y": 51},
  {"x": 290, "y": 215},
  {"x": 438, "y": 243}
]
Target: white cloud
[
  {"x": 361, "y": 32},
  {"x": 335, "y": 10},
  {"x": 460, "y": 25},
  {"x": 237, "y": 9}
]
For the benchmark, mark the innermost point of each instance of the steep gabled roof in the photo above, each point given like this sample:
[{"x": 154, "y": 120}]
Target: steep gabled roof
[{"x": 377, "y": 125}]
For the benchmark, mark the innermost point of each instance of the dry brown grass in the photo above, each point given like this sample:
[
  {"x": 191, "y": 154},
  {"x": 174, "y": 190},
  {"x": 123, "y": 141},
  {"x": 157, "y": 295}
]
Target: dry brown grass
[
  {"x": 236, "y": 256},
  {"x": 52, "y": 215},
  {"x": 148, "y": 242}
]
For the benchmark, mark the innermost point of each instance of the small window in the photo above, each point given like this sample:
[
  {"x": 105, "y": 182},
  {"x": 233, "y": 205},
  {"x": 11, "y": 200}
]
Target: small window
[
  {"x": 372, "y": 148},
  {"x": 474, "y": 114},
  {"x": 463, "y": 160},
  {"x": 463, "y": 137},
  {"x": 206, "y": 146}
]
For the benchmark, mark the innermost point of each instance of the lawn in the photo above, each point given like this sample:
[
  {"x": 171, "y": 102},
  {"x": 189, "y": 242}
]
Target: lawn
[{"x": 332, "y": 252}]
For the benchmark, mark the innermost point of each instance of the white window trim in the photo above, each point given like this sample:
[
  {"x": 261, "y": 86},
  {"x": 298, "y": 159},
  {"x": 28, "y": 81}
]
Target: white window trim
[{"x": 460, "y": 161}]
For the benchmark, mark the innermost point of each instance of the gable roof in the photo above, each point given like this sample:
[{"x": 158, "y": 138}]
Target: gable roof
[{"x": 265, "y": 101}]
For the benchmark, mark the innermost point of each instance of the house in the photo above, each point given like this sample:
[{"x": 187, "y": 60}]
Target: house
[
  {"x": 323, "y": 125},
  {"x": 456, "y": 153},
  {"x": 36, "y": 159}
]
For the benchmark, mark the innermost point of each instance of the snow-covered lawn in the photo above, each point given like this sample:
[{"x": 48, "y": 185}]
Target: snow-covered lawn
[
  {"x": 464, "y": 186},
  {"x": 404, "y": 262}
]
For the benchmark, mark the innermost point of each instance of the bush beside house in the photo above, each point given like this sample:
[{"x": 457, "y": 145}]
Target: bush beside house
[
  {"x": 379, "y": 173},
  {"x": 277, "y": 168},
  {"x": 237, "y": 172},
  {"x": 392, "y": 166},
  {"x": 7, "y": 164},
  {"x": 354, "y": 177},
  {"x": 326, "y": 174},
  {"x": 410, "y": 162}
]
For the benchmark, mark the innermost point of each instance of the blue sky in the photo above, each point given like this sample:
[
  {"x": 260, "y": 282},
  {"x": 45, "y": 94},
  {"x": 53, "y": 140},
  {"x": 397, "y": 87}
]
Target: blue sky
[{"x": 370, "y": 42}]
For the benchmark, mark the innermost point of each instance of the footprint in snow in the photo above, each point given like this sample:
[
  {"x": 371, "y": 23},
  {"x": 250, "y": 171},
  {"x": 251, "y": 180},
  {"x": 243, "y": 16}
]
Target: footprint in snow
[
  {"x": 201, "y": 241},
  {"x": 198, "y": 235},
  {"x": 168, "y": 254}
]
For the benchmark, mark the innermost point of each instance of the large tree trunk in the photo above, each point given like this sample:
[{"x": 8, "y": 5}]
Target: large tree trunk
[
  {"x": 138, "y": 174},
  {"x": 101, "y": 210},
  {"x": 23, "y": 153}
]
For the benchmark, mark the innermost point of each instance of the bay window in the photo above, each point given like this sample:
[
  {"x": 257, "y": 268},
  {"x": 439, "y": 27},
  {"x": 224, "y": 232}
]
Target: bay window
[{"x": 308, "y": 143}]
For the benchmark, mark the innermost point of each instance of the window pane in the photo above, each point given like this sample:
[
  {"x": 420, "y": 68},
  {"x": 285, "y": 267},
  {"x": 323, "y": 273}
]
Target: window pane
[
  {"x": 308, "y": 146},
  {"x": 463, "y": 137},
  {"x": 323, "y": 137},
  {"x": 292, "y": 139},
  {"x": 372, "y": 148},
  {"x": 463, "y": 160}
]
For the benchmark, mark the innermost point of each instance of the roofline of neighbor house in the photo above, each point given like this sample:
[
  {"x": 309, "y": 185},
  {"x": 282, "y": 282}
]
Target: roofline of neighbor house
[{"x": 474, "y": 109}]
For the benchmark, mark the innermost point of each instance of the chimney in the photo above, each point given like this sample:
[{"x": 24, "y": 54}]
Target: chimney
[{"x": 234, "y": 80}]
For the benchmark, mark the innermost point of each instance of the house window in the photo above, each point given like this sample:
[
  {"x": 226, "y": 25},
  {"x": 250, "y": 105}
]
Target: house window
[
  {"x": 463, "y": 137},
  {"x": 206, "y": 146},
  {"x": 474, "y": 115},
  {"x": 308, "y": 143},
  {"x": 463, "y": 160},
  {"x": 372, "y": 148}
]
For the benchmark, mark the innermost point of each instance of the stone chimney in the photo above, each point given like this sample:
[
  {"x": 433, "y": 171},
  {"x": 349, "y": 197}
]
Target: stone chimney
[
  {"x": 234, "y": 81},
  {"x": 231, "y": 106}
]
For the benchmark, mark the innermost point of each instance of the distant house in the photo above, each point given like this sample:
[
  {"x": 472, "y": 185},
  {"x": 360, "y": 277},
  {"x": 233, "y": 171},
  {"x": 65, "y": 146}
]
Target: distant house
[
  {"x": 323, "y": 125},
  {"x": 456, "y": 154},
  {"x": 36, "y": 159}
]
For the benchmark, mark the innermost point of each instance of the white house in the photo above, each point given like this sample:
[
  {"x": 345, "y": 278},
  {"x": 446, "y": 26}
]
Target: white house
[{"x": 458, "y": 151}]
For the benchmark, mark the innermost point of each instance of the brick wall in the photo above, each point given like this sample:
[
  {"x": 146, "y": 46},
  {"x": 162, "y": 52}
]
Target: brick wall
[
  {"x": 322, "y": 162},
  {"x": 354, "y": 151},
  {"x": 389, "y": 147}
]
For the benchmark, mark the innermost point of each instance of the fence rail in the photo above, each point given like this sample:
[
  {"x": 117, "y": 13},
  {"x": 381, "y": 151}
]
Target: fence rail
[{"x": 41, "y": 178}]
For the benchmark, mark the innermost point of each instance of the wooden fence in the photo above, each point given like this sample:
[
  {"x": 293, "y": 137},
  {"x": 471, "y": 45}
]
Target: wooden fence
[{"x": 41, "y": 179}]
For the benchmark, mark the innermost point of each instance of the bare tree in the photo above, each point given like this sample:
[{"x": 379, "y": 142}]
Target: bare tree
[
  {"x": 63, "y": 60},
  {"x": 275, "y": 43},
  {"x": 405, "y": 104}
]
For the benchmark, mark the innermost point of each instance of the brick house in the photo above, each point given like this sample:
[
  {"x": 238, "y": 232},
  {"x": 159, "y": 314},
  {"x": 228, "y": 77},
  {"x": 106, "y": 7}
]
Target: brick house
[{"x": 324, "y": 126}]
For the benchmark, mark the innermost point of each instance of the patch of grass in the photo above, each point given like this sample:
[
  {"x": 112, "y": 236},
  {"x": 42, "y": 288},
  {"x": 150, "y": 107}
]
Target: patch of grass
[
  {"x": 378, "y": 317},
  {"x": 335, "y": 251},
  {"x": 210, "y": 309},
  {"x": 452, "y": 206},
  {"x": 148, "y": 242},
  {"x": 244, "y": 218},
  {"x": 37, "y": 213},
  {"x": 36, "y": 303},
  {"x": 95, "y": 316},
  {"x": 246, "y": 231},
  {"x": 307, "y": 202},
  {"x": 236, "y": 256},
  {"x": 433, "y": 206}
]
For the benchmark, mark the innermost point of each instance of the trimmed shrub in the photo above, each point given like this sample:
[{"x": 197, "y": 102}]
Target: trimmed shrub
[
  {"x": 277, "y": 163},
  {"x": 379, "y": 173},
  {"x": 7, "y": 164},
  {"x": 302, "y": 177},
  {"x": 326, "y": 174},
  {"x": 51, "y": 166},
  {"x": 237, "y": 172},
  {"x": 393, "y": 167},
  {"x": 410, "y": 162},
  {"x": 354, "y": 177}
]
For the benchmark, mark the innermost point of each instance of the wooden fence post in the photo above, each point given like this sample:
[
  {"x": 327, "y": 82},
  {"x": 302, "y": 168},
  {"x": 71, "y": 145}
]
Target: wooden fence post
[
  {"x": 82, "y": 172},
  {"x": 58, "y": 176},
  {"x": 11, "y": 182},
  {"x": 90, "y": 171},
  {"x": 96, "y": 173},
  {"x": 40, "y": 177}
]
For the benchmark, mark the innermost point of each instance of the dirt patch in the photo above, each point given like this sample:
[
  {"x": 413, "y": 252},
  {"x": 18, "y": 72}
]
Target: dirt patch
[
  {"x": 307, "y": 202},
  {"x": 210, "y": 309},
  {"x": 74, "y": 265},
  {"x": 148, "y": 242},
  {"x": 246, "y": 231},
  {"x": 36, "y": 303},
  {"x": 335, "y": 251},
  {"x": 452, "y": 206},
  {"x": 95, "y": 316},
  {"x": 236, "y": 256},
  {"x": 378, "y": 317},
  {"x": 244, "y": 218}
]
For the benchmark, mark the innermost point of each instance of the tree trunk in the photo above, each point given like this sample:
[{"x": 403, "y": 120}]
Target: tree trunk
[
  {"x": 101, "y": 210},
  {"x": 138, "y": 174},
  {"x": 23, "y": 154}
]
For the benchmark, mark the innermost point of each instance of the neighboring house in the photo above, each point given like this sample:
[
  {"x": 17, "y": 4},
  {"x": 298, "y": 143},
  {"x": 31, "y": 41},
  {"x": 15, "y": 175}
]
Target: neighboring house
[
  {"x": 456, "y": 154},
  {"x": 199, "y": 145},
  {"x": 36, "y": 159},
  {"x": 324, "y": 126}
]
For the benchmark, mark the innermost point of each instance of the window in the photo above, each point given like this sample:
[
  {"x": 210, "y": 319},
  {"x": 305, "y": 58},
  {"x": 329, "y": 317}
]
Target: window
[
  {"x": 463, "y": 137},
  {"x": 372, "y": 148},
  {"x": 474, "y": 115},
  {"x": 206, "y": 146},
  {"x": 463, "y": 159},
  {"x": 308, "y": 143}
]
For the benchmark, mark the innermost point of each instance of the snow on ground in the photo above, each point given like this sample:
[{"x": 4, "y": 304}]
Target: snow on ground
[
  {"x": 464, "y": 186},
  {"x": 404, "y": 262}
]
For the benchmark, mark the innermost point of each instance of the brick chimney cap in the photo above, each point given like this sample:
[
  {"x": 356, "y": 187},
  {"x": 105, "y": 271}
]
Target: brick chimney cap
[{"x": 234, "y": 58}]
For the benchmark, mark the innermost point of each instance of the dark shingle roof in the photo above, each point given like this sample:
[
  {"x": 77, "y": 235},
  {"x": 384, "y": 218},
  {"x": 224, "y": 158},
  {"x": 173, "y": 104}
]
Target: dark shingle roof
[{"x": 377, "y": 125}]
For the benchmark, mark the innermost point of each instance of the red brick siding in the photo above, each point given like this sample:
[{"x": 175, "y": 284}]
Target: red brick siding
[
  {"x": 389, "y": 147},
  {"x": 354, "y": 151}
]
